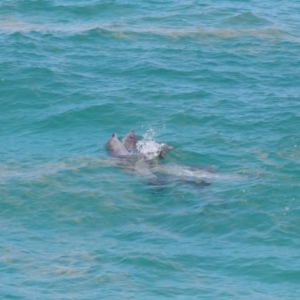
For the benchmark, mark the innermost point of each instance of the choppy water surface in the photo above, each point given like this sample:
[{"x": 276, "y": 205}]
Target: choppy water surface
[{"x": 219, "y": 82}]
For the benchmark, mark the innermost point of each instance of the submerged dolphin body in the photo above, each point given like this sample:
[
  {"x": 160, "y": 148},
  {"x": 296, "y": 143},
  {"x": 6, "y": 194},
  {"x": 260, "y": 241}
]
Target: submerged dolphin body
[{"x": 202, "y": 175}]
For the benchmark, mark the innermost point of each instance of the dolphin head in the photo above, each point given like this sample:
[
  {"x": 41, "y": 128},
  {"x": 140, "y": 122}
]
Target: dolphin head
[
  {"x": 130, "y": 141},
  {"x": 114, "y": 147}
]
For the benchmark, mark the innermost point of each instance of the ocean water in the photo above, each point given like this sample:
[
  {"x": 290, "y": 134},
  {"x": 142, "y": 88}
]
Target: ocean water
[{"x": 217, "y": 81}]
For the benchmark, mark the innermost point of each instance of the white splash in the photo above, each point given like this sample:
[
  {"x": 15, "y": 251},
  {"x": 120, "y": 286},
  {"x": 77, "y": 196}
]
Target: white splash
[{"x": 148, "y": 146}]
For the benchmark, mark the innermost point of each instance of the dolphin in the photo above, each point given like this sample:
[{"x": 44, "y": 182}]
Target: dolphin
[
  {"x": 164, "y": 149},
  {"x": 129, "y": 158},
  {"x": 115, "y": 148},
  {"x": 130, "y": 142},
  {"x": 129, "y": 161}
]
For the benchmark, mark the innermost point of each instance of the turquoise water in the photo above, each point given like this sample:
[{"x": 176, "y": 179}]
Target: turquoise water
[{"x": 217, "y": 81}]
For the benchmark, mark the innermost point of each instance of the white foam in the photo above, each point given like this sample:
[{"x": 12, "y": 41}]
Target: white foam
[{"x": 148, "y": 146}]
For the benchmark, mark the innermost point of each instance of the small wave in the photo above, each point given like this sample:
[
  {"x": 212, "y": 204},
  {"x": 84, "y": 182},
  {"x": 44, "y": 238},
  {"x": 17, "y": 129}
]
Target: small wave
[
  {"x": 247, "y": 18},
  {"x": 123, "y": 31}
]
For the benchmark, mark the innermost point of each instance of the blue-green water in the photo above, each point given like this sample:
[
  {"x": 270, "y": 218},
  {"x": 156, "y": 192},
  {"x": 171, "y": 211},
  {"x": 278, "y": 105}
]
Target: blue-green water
[{"x": 219, "y": 81}]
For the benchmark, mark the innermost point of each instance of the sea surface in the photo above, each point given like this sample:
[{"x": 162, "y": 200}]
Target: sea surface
[{"x": 219, "y": 81}]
